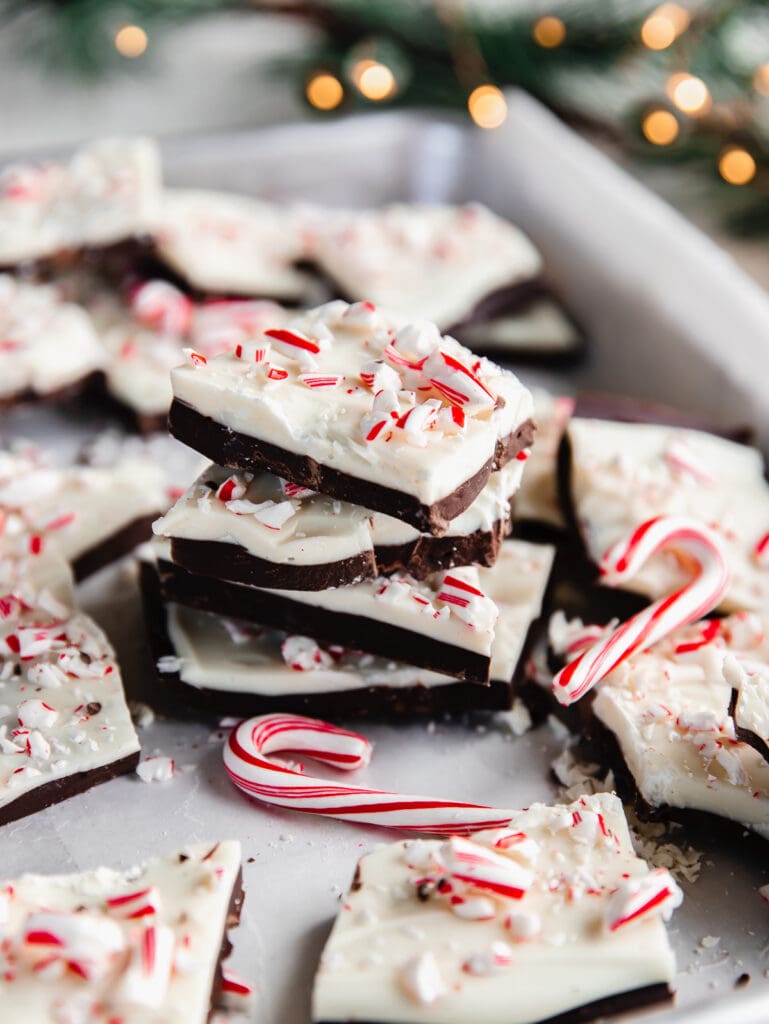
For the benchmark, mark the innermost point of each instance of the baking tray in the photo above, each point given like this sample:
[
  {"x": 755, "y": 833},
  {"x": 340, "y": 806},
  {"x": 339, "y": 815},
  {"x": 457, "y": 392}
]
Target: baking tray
[{"x": 669, "y": 317}]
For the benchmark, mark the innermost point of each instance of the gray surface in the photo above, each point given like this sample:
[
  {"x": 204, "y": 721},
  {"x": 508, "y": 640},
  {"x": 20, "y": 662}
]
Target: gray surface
[{"x": 300, "y": 865}]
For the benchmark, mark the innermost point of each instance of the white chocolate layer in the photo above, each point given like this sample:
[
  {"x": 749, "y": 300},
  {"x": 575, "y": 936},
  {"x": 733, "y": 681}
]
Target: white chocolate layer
[
  {"x": 232, "y": 245},
  {"x": 625, "y": 473},
  {"x": 334, "y": 425},
  {"x": 46, "y": 344},
  {"x": 62, "y": 706},
  {"x": 426, "y": 262},
  {"x": 316, "y": 530},
  {"x": 75, "y": 508},
  {"x": 319, "y": 530},
  {"x": 209, "y": 657},
  {"x": 668, "y": 709},
  {"x": 490, "y": 507},
  {"x": 190, "y": 890},
  {"x": 537, "y": 498},
  {"x": 396, "y": 959},
  {"x": 109, "y": 190}
]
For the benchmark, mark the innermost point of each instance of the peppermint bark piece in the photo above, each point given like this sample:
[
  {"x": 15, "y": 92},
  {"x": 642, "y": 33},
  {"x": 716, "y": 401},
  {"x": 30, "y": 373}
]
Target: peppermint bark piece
[
  {"x": 139, "y": 945},
  {"x": 551, "y": 918},
  {"x": 427, "y": 262},
  {"x": 345, "y": 401},
  {"x": 91, "y": 516},
  {"x": 64, "y": 723},
  {"x": 221, "y": 243},
  {"x": 444, "y": 623},
  {"x": 107, "y": 192},
  {"x": 224, "y": 666},
  {"x": 48, "y": 347},
  {"x": 622, "y": 474},
  {"x": 540, "y": 331},
  {"x": 145, "y": 336},
  {"x": 665, "y": 714},
  {"x": 262, "y": 531}
]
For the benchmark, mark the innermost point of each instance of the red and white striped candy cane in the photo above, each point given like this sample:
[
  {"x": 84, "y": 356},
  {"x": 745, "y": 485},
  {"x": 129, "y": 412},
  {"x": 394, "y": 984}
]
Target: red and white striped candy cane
[
  {"x": 251, "y": 769},
  {"x": 691, "y": 602}
]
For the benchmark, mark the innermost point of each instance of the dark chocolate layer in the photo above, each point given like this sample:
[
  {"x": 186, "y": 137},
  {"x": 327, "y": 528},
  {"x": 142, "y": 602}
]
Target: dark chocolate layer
[
  {"x": 232, "y": 562},
  {"x": 61, "y": 789},
  {"x": 746, "y": 735},
  {"x": 234, "y": 450},
  {"x": 622, "y": 1002},
  {"x": 271, "y": 608},
  {"x": 426, "y": 554},
  {"x": 420, "y": 558},
  {"x": 90, "y": 382},
  {"x": 114, "y": 547}
]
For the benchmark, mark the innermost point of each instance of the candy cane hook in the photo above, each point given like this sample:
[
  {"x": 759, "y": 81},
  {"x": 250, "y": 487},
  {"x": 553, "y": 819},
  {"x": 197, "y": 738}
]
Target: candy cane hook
[
  {"x": 251, "y": 769},
  {"x": 691, "y": 602}
]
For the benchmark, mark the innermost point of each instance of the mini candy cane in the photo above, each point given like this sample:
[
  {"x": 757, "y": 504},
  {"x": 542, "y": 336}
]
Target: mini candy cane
[
  {"x": 248, "y": 765},
  {"x": 691, "y": 602}
]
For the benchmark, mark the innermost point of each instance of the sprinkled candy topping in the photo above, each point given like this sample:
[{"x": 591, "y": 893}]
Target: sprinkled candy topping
[
  {"x": 36, "y": 714},
  {"x": 421, "y": 979},
  {"x": 637, "y": 898},
  {"x": 303, "y": 654},
  {"x": 156, "y": 768}
]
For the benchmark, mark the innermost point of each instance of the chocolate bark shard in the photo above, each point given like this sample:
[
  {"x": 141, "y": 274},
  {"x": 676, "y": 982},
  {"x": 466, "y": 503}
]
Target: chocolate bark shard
[
  {"x": 144, "y": 337},
  {"x": 241, "y": 451},
  {"x": 64, "y": 723},
  {"x": 226, "y": 244},
  {"x": 346, "y": 401},
  {"x": 262, "y": 531},
  {"x": 90, "y": 515},
  {"x": 617, "y": 475},
  {"x": 353, "y": 617},
  {"x": 91, "y": 931},
  {"x": 535, "y": 330},
  {"x": 50, "y": 349},
  {"x": 108, "y": 191},
  {"x": 422, "y": 939},
  {"x": 228, "y": 667},
  {"x": 668, "y": 710},
  {"x": 426, "y": 261}
]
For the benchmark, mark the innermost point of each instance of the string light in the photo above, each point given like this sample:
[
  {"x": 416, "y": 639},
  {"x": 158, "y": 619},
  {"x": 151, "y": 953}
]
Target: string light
[
  {"x": 324, "y": 91},
  {"x": 374, "y": 80},
  {"x": 736, "y": 166},
  {"x": 664, "y": 25},
  {"x": 548, "y": 32},
  {"x": 131, "y": 41},
  {"x": 487, "y": 106},
  {"x": 660, "y": 127},
  {"x": 761, "y": 79},
  {"x": 689, "y": 93}
]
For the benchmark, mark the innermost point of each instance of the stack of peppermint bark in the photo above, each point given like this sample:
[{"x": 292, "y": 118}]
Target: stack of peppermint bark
[{"x": 346, "y": 550}]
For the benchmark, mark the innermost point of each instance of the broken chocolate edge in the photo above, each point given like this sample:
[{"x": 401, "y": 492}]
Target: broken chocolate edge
[{"x": 229, "y": 448}]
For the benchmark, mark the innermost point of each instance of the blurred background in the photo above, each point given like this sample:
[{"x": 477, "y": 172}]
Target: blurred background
[{"x": 678, "y": 92}]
